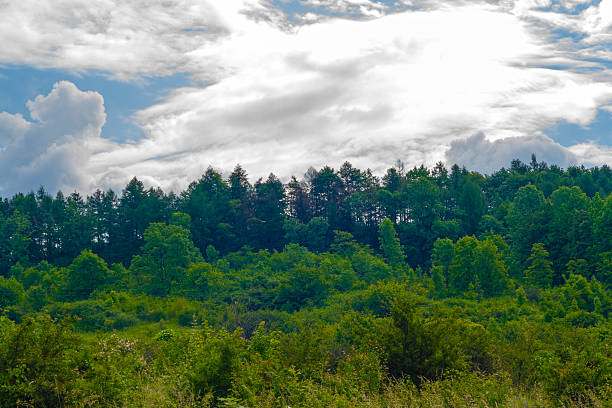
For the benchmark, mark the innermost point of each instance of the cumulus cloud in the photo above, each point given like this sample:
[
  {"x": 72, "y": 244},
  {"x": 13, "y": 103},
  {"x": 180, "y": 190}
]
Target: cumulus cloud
[
  {"x": 381, "y": 84},
  {"x": 479, "y": 154},
  {"x": 592, "y": 153},
  {"x": 53, "y": 149},
  {"x": 402, "y": 86}
]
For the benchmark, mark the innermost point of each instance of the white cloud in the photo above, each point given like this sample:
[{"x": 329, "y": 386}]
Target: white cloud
[
  {"x": 282, "y": 97},
  {"x": 402, "y": 86},
  {"x": 595, "y": 22},
  {"x": 366, "y": 8},
  {"x": 592, "y": 153},
  {"x": 53, "y": 150},
  {"x": 11, "y": 127},
  {"x": 124, "y": 38},
  {"x": 479, "y": 154}
]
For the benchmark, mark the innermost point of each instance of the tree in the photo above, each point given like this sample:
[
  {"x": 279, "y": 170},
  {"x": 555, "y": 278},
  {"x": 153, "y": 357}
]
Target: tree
[
  {"x": 11, "y": 292},
  {"x": 137, "y": 208},
  {"x": 208, "y": 203},
  {"x": 166, "y": 254},
  {"x": 391, "y": 248},
  {"x": 392, "y": 181},
  {"x": 539, "y": 272},
  {"x": 570, "y": 228},
  {"x": 462, "y": 272},
  {"x": 298, "y": 201},
  {"x": 417, "y": 231},
  {"x": 526, "y": 221},
  {"x": 303, "y": 286},
  {"x": 473, "y": 205},
  {"x": 326, "y": 192},
  {"x": 182, "y": 220},
  {"x": 200, "y": 280},
  {"x": 241, "y": 194},
  {"x": 443, "y": 255},
  {"x": 15, "y": 240},
  {"x": 266, "y": 224},
  {"x": 420, "y": 348},
  {"x": 439, "y": 282},
  {"x": 490, "y": 268},
  {"x": 604, "y": 227},
  {"x": 370, "y": 268},
  {"x": 315, "y": 234},
  {"x": 239, "y": 184},
  {"x": 86, "y": 273},
  {"x": 102, "y": 210}
]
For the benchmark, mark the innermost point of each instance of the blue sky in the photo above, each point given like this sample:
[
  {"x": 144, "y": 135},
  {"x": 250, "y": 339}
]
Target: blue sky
[
  {"x": 598, "y": 131},
  {"x": 92, "y": 94},
  {"x": 20, "y": 84}
]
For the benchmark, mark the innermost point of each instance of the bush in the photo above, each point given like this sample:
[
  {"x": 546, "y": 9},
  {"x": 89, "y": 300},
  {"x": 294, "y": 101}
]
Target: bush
[
  {"x": 37, "y": 363},
  {"x": 418, "y": 347}
]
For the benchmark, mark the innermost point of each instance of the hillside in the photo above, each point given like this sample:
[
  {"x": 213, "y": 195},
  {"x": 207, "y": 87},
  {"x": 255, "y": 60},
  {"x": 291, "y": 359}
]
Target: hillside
[{"x": 426, "y": 287}]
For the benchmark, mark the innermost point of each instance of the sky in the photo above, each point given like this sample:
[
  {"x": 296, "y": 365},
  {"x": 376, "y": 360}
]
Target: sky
[{"x": 93, "y": 93}]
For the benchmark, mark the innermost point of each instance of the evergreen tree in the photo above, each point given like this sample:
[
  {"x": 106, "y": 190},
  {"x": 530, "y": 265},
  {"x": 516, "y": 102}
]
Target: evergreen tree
[{"x": 539, "y": 272}]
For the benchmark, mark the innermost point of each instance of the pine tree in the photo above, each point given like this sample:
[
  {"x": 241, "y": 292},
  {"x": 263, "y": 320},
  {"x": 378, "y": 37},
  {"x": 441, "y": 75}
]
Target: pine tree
[{"x": 540, "y": 272}]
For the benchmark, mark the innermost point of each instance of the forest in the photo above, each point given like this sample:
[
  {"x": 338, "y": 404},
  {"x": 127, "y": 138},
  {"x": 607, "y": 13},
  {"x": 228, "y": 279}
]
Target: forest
[{"x": 421, "y": 288}]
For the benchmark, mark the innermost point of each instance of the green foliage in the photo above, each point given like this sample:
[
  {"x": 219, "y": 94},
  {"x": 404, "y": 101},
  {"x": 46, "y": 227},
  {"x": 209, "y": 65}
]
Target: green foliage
[
  {"x": 86, "y": 273},
  {"x": 303, "y": 286},
  {"x": 212, "y": 255},
  {"x": 92, "y": 315},
  {"x": 391, "y": 248},
  {"x": 181, "y": 220},
  {"x": 15, "y": 239},
  {"x": 314, "y": 235},
  {"x": 200, "y": 280},
  {"x": 38, "y": 364},
  {"x": 526, "y": 220},
  {"x": 509, "y": 303},
  {"x": 539, "y": 272},
  {"x": 521, "y": 296},
  {"x": 369, "y": 267},
  {"x": 213, "y": 359},
  {"x": 469, "y": 264},
  {"x": 166, "y": 254},
  {"x": 11, "y": 292},
  {"x": 420, "y": 347},
  {"x": 579, "y": 368},
  {"x": 603, "y": 229}
]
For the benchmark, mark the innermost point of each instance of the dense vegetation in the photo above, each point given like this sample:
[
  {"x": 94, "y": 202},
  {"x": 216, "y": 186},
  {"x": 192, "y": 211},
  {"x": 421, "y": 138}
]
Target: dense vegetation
[{"x": 423, "y": 288}]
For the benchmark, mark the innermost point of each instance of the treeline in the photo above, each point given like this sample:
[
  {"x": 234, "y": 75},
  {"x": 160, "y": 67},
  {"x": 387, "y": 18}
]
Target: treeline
[{"x": 565, "y": 210}]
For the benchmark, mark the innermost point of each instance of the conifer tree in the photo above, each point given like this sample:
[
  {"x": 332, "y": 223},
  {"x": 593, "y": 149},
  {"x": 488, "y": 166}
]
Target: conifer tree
[{"x": 540, "y": 272}]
